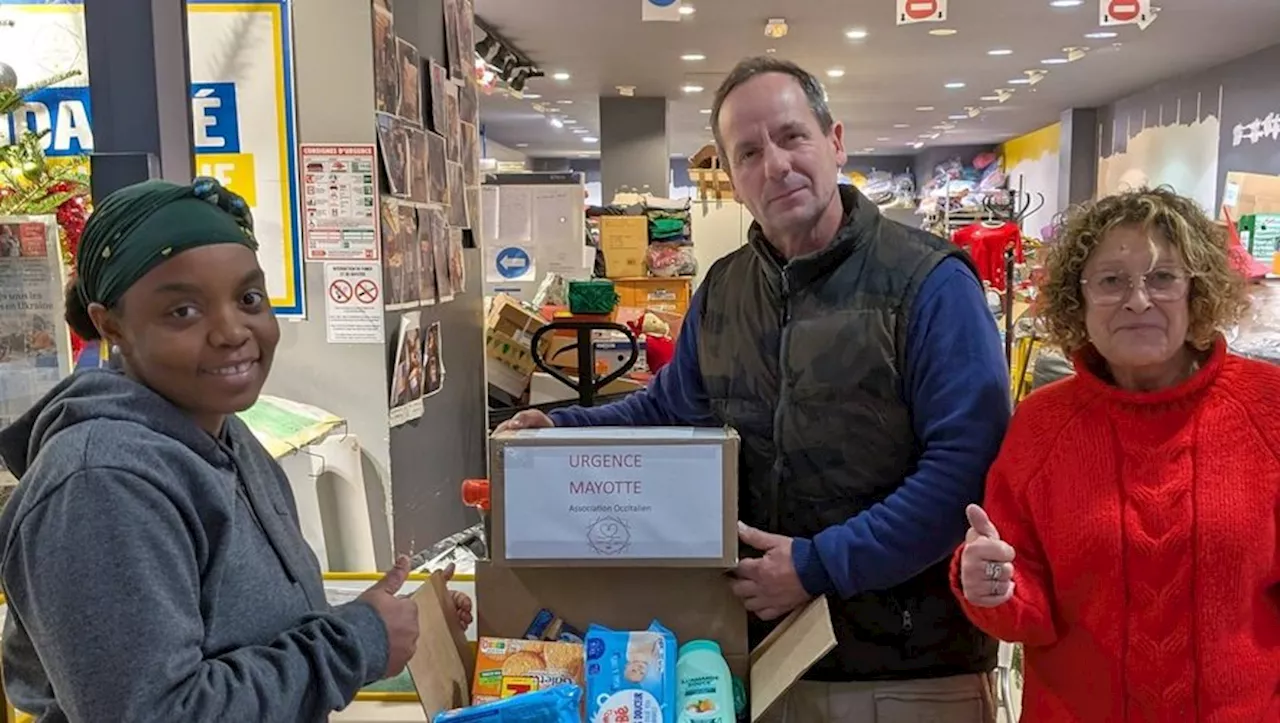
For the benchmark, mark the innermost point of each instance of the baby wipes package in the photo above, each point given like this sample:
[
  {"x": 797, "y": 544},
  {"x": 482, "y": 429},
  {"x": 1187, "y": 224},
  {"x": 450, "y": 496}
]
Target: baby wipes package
[
  {"x": 559, "y": 704},
  {"x": 631, "y": 676}
]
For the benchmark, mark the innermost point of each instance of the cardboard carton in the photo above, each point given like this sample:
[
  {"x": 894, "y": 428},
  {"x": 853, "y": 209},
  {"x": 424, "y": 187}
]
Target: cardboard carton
[{"x": 688, "y": 593}]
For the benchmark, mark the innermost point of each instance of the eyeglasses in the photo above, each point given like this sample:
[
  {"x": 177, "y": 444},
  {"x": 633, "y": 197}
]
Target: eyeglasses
[{"x": 1108, "y": 287}]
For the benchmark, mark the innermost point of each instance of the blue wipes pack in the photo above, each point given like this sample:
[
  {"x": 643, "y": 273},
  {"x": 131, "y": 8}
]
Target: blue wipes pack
[
  {"x": 561, "y": 704},
  {"x": 631, "y": 676}
]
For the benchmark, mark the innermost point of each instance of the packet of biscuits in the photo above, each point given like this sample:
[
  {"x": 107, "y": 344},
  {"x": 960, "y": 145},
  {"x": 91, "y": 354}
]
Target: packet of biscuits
[{"x": 507, "y": 667}]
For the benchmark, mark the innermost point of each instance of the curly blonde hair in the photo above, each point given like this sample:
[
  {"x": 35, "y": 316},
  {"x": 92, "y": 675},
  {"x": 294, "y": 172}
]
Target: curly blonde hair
[{"x": 1217, "y": 298}]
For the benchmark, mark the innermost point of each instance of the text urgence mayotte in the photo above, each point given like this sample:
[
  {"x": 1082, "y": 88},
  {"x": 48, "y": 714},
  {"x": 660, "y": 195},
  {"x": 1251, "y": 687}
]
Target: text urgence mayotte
[{"x": 599, "y": 488}]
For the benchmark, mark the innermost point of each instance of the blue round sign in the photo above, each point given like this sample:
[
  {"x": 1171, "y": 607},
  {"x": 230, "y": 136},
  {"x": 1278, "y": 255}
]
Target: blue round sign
[
  {"x": 663, "y": 3},
  {"x": 512, "y": 262}
]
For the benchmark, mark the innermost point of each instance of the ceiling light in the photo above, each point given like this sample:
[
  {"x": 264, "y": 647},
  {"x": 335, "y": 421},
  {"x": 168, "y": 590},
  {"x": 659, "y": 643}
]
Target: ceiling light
[
  {"x": 522, "y": 145},
  {"x": 626, "y": 91},
  {"x": 1018, "y": 81},
  {"x": 590, "y": 139},
  {"x": 1000, "y": 51},
  {"x": 691, "y": 88},
  {"x": 867, "y": 150},
  {"x": 954, "y": 85},
  {"x": 557, "y": 123},
  {"x": 707, "y": 128},
  {"x": 581, "y": 131},
  {"x": 565, "y": 102},
  {"x": 1066, "y": 3},
  {"x": 530, "y": 96},
  {"x": 943, "y": 32},
  {"x": 561, "y": 76},
  {"x": 1054, "y": 61},
  {"x": 958, "y": 116},
  {"x": 570, "y": 122},
  {"x": 856, "y": 34},
  {"x": 770, "y": 51},
  {"x": 990, "y": 98},
  {"x": 917, "y": 145},
  {"x": 687, "y": 9},
  {"x": 705, "y": 111},
  {"x": 835, "y": 73},
  {"x": 693, "y": 57},
  {"x": 901, "y": 125},
  {"x": 881, "y": 140},
  {"x": 1100, "y": 35},
  {"x": 924, "y": 108}
]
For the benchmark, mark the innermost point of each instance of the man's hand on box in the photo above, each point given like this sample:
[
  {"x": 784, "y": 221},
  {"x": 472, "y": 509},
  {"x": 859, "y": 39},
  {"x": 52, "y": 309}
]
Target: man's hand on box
[
  {"x": 768, "y": 585},
  {"x": 528, "y": 419}
]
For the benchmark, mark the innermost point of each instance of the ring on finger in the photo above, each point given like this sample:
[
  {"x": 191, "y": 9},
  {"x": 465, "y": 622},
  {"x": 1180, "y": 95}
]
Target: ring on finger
[
  {"x": 995, "y": 589},
  {"x": 993, "y": 571}
]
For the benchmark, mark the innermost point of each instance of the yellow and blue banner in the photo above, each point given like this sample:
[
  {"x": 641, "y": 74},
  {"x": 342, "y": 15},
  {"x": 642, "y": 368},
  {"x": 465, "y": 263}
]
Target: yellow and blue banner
[{"x": 242, "y": 103}]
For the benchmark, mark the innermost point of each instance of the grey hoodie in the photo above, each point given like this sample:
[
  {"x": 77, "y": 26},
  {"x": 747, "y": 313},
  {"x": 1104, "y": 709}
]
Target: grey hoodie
[{"x": 155, "y": 573}]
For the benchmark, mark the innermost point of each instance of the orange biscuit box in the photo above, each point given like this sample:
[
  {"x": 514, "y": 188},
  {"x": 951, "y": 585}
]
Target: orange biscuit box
[{"x": 507, "y": 667}]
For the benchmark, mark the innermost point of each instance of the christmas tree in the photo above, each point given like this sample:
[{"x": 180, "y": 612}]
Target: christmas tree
[{"x": 31, "y": 184}]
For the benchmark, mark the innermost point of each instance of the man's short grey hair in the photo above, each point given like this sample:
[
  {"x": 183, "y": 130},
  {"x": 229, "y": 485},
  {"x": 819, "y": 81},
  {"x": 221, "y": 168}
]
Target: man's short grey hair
[{"x": 761, "y": 64}]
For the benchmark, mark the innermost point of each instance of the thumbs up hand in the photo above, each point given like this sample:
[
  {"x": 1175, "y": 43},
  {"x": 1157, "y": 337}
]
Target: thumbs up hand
[{"x": 986, "y": 564}]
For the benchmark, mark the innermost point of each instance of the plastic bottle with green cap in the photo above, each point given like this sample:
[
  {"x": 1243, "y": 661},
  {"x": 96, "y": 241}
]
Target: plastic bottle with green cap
[{"x": 704, "y": 685}]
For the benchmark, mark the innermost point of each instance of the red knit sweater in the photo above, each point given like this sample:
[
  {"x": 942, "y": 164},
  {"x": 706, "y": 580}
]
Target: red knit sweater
[{"x": 1147, "y": 570}]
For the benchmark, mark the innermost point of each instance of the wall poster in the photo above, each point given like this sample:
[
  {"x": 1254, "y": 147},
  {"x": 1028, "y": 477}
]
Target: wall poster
[{"x": 242, "y": 107}]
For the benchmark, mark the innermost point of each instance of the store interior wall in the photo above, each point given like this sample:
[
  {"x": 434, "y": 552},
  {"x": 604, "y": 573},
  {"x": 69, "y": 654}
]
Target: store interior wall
[
  {"x": 1189, "y": 132},
  {"x": 431, "y": 456},
  {"x": 349, "y": 380},
  {"x": 1033, "y": 161}
]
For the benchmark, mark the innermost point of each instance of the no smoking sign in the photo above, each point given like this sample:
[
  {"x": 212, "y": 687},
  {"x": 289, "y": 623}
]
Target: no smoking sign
[{"x": 921, "y": 11}]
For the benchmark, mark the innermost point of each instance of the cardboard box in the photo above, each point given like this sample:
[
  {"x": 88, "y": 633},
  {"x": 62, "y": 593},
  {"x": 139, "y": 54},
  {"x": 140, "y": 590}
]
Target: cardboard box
[
  {"x": 624, "y": 241},
  {"x": 614, "y": 497},
  {"x": 1248, "y": 193},
  {"x": 625, "y": 585}
]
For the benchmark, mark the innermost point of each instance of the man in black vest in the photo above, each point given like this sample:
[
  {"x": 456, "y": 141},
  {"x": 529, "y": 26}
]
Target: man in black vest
[{"x": 858, "y": 361}]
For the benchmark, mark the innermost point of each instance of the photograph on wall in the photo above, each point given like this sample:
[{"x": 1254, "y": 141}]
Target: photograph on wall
[
  {"x": 467, "y": 39},
  {"x": 399, "y": 229},
  {"x": 473, "y": 218},
  {"x": 437, "y": 174},
  {"x": 430, "y": 219},
  {"x": 419, "y": 186},
  {"x": 439, "y": 83},
  {"x": 470, "y": 154},
  {"x": 440, "y": 255},
  {"x": 457, "y": 197},
  {"x": 386, "y": 63},
  {"x": 469, "y": 102},
  {"x": 35, "y": 350},
  {"x": 433, "y": 360},
  {"x": 457, "y": 269},
  {"x": 453, "y": 125},
  {"x": 393, "y": 144},
  {"x": 410, "y": 83},
  {"x": 452, "y": 41},
  {"x": 406, "y": 373}
]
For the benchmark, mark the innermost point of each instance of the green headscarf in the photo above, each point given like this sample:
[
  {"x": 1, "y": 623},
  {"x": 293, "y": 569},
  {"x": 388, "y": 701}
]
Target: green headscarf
[{"x": 139, "y": 227}]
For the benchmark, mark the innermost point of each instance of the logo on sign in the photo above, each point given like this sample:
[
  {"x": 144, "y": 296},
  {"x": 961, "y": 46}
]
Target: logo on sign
[
  {"x": 921, "y": 11},
  {"x": 609, "y": 536},
  {"x": 66, "y": 114},
  {"x": 512, "y": 262}
]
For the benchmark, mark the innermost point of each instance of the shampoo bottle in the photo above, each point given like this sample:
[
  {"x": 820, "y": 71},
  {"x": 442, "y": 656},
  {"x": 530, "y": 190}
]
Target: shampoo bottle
[{"x": 704, "y": 686}]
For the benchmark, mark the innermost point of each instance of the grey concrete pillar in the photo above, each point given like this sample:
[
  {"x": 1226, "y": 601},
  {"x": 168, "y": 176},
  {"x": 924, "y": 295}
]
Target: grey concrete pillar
[
  {"x": 633, "y": 146},
  {"x": 140, "y": 92},
  {"x": 1078, "y": 156}
]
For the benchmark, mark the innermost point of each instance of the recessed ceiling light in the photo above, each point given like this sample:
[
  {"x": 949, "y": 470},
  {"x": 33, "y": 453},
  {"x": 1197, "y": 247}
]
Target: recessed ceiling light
[
  {"x": 1066, "y": 3},
  {"x": 570, "y": 122},
  {"x": 522, "y": 145},
  {"x": 835, "y": 73},
  {"x": 881, "y": 140},
  {"x": 556, "y": 123},
  {"x": 958, "y": 116},
  {"x": 1054, "y": 61},
  {"x": 867, "y": 150},
  {"x": 856, "y": 34},
  {"x": 693, "y": 57},
  {"x": 954, "y": 85},
  {"x": 705, "y": 111},
  {"x": 924, "y": 108},
  {"x": 707, "y": 128},
  {"x": 581, "y": 131},
  {"x": 1100, "y": 35},
  {"x": 686, "y": 9},
  {"x": 901, "y": 125},
  {"x": 561, "y": 76},
  {"x": 530, "y": 96},
  {"x": 590, "y": 139},
  {"x": 565, "y": 102},
  {"x": 943, "y": 32},
  {"x": 692, "y": 88},
  {"x": 770, "y": 51},
  {"x": 1000, "y": 51},
  {"x": 990, "y": 98},
  {"x": 1018, "y": 81}
]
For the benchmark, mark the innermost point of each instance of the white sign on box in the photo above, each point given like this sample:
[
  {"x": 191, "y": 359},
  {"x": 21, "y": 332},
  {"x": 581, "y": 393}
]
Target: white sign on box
[{"x": 637, "y": 502}]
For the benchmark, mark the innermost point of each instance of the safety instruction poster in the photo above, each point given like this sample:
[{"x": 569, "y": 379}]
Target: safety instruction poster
[
  {"x": 241, "y": 102},
  {"x": 339, "y": 202}
]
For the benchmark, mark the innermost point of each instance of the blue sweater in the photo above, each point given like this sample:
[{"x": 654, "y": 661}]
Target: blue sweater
[{"x": 957, "y": 386}]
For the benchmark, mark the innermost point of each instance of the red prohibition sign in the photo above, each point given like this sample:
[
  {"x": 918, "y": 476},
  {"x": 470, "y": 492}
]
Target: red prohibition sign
[
  {"x": 340, "y": 291},
  {"x": 366, "y": 291},
  {"x": 1124, "y": 11},
  {"x": 920, "y": 9}
]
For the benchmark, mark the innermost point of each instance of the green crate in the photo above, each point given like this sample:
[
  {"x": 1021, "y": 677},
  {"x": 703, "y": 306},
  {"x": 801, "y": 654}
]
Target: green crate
[{"x": 596, "y": 296}]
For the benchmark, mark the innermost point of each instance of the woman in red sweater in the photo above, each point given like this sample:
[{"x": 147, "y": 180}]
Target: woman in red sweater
[{"x": 1128, "y": 535}]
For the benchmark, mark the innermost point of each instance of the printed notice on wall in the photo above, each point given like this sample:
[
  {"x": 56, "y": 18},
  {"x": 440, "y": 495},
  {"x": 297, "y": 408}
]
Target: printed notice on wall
[
  {"x": 353, "y": 302},
  {"x": 638, "y": 502},
  {"x": 339, "y": 202}
]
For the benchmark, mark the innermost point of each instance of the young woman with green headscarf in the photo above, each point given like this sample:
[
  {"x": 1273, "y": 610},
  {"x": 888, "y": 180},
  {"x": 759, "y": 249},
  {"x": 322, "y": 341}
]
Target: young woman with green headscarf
[{"x": 151, "y": 555}]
